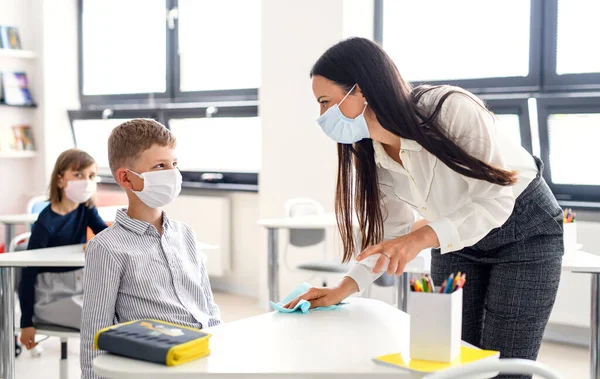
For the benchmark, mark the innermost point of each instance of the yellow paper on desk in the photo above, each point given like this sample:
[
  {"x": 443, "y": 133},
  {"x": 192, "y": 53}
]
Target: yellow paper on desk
[
  {"x": 467, "y": 355},
  {"x": 154, "y": 341}
]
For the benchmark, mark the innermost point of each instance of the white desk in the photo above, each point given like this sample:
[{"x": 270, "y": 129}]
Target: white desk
[
  {"x": 586, "y": 263},
  {"x": 11, "y": 221},
  {"x": 337, "y": 344},
  {"x": 325, "y": 221},
  {"x": 64, "y": 256},
  {"x": 574, "y": 261}
]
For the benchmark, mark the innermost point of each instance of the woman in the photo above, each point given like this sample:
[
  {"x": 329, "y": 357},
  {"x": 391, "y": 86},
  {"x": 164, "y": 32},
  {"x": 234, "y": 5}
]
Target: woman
[{"x": 486, "y": 209}]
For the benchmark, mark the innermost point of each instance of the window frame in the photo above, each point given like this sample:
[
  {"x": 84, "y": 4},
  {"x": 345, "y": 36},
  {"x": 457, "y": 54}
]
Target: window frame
[
  {"x": 240, "y": 182},
  {"x": 97, "y": 114},
  {"x": 134, "y": 98},
  {"x": 553, "y": 81},
  {"x": 172, "y": 94},
  {"x": 531, "y": 83},
  {"x": 519, "y": 107},
  {"x": 565, "y": 105}
]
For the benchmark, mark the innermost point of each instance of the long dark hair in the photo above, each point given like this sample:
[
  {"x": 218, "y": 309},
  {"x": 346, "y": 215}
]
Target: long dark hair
[{"x": 395, "y": 104}]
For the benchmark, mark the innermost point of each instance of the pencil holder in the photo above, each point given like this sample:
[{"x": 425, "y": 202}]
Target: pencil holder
[
  {"x": 570, "y": 235},
  {"x": 435, "y": 325}
]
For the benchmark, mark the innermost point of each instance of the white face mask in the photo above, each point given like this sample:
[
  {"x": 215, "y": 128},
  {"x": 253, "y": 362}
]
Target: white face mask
[
  {"x": 160, "y": 187},
  {"x": 80, "y": 191},
  {"x": 342, "y": 129}
]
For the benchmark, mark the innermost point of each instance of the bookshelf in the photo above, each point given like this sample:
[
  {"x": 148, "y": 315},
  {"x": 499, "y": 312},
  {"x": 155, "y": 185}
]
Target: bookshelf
[
  {"x": 17, "y": 53},
  {"x": 17, "y": 154},
  {"x": 18, "y": 106}
]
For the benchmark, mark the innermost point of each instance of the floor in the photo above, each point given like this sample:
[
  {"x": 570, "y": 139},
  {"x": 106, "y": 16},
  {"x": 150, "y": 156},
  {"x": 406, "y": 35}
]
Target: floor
[{"x": 571, "y": 362}]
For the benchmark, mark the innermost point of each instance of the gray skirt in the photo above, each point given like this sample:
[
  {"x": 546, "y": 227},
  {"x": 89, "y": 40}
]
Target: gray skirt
[{"x": 59, "y": 298}]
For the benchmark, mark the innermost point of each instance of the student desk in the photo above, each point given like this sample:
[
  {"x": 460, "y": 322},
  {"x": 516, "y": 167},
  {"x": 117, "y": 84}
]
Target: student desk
[
  {"x": 63, "y": 256},
  {"x": 586, "y": 263},
  {"x": 336, "y": 344},
  {"x": 574, "y": 261},
  {"x": 11, "y": 221},
  {"x": 325, "y": 221}
]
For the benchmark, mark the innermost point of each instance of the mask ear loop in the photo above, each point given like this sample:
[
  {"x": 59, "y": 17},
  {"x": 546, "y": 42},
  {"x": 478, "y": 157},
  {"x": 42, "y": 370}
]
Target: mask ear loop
[
  {"x": 365, "y": 108},
  {"x": 139, "y": 176},
  {"x": 135, "y": 173},
  {"x": 348, "y": 94}
]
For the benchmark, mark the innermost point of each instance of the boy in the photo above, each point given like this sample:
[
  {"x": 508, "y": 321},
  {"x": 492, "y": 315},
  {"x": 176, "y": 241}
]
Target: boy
[{"x": 144, "y": 265}]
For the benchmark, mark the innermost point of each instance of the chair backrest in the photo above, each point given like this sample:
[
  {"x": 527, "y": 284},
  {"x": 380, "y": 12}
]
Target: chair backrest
[
  {"x": 37, "y": 204},
  {"x": 304, "y": 207},
  {"x": 504, "y": 366},
  {"x": 19, "y": 243}
]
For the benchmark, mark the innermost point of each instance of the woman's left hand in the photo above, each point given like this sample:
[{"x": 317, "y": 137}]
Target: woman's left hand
[{"x": 401, "y": 250}]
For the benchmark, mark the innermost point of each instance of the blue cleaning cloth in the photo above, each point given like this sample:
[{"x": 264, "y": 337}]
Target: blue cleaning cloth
[{"x": 303, "y": 305}]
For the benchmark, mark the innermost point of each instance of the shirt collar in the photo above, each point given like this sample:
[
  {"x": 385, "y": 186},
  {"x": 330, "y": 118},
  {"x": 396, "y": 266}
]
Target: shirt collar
[
  {"x": 138, "y": 226},
  {"x": 381, "y": 157}
]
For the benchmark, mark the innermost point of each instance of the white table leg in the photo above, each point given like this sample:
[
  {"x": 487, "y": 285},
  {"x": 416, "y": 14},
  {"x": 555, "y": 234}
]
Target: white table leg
[
  {"x": 7, "y": 327},
  {"x": 594, "y": 324},
  {"x": 273, "y": 258}
]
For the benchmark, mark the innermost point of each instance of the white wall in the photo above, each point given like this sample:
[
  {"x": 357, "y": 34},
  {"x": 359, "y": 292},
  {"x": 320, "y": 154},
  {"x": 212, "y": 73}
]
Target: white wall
[
  {"x": 60, "y": 74},
  {"x": 298, "y": 160},
  {"x": 15, "y": 183}
]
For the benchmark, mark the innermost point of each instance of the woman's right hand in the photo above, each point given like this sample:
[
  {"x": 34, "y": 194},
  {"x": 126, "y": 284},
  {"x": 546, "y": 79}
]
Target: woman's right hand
[
  {"x": 324, "y": 297},
  {"x": 318, "y": 297},
  {"x": 28, "y": 337}
]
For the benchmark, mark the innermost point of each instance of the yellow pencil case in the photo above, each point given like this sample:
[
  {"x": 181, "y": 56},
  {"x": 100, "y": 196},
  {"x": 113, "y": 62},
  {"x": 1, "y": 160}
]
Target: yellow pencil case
[{"x": 154, "y": 341}]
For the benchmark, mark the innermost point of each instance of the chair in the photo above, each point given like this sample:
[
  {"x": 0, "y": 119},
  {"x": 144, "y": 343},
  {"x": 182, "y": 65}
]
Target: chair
[
  {"x": 492, "y": 367},
  {"x": 37, "y": 204},
  {"x": 19, "y": 243},
  {"x": 301, "y": 238},
  {"x": 64, "y": 334}
]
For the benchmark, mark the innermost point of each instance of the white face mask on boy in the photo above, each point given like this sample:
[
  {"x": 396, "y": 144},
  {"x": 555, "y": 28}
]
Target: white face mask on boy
[
  {"x": 80, "y": 191},
  {"x": 160, "y": 187}
]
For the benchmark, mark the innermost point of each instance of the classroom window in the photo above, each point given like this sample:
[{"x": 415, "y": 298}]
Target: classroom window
[
  {"x": 218, "y": 144},
  {"x": 571, "y": 32},
  {"x": 92, "y": 137},
  {"x": 219, "y": 49},
  {"x": 573, "y": 146},
  {"x": 91, "y": 129},
  {"x": 509, "y": 124},
  {"x": 577, "y": 21},
  {"x": 569, "y": 131},
  {"x": 180, "y": 50},
  {"x": 512, "y": 118},
  {"x": 123, "y": 52},
  {"x": 218, "y": 150},
  {"x": 465, "y": 42}
]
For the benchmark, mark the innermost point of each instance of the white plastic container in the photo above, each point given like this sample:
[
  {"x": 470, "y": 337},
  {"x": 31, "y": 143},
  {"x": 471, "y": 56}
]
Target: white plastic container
[
  {"x": 435, "y": 325},
  {"x": 570, "y": 236}
]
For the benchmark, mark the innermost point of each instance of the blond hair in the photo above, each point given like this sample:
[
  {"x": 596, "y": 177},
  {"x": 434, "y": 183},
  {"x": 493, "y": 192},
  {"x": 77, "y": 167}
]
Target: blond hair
[
  {"x": 72, "y": 159},
  {"x": 130, "y": 139}
]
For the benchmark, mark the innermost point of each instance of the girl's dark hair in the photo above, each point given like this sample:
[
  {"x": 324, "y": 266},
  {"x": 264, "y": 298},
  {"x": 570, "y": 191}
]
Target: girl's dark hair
[
  {"x": 395, "y": 104},
  {"x": 72, "y": 159}
]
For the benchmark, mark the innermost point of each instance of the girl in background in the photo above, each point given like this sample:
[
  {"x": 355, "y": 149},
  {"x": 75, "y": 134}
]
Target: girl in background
[{"x": 53, "y": 295}]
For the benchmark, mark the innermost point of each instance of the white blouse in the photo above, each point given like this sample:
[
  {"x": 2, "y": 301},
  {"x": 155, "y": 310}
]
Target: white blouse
[{"x": 460, "y": 210}]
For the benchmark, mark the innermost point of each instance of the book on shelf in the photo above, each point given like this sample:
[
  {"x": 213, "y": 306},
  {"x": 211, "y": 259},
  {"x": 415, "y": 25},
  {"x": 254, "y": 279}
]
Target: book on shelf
[
  {"x": 23, "y": 138},
  {"x": 9, "y": 38},
  {"x": 15, "y": 89},
  {"x": 17, "y": 138}
]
